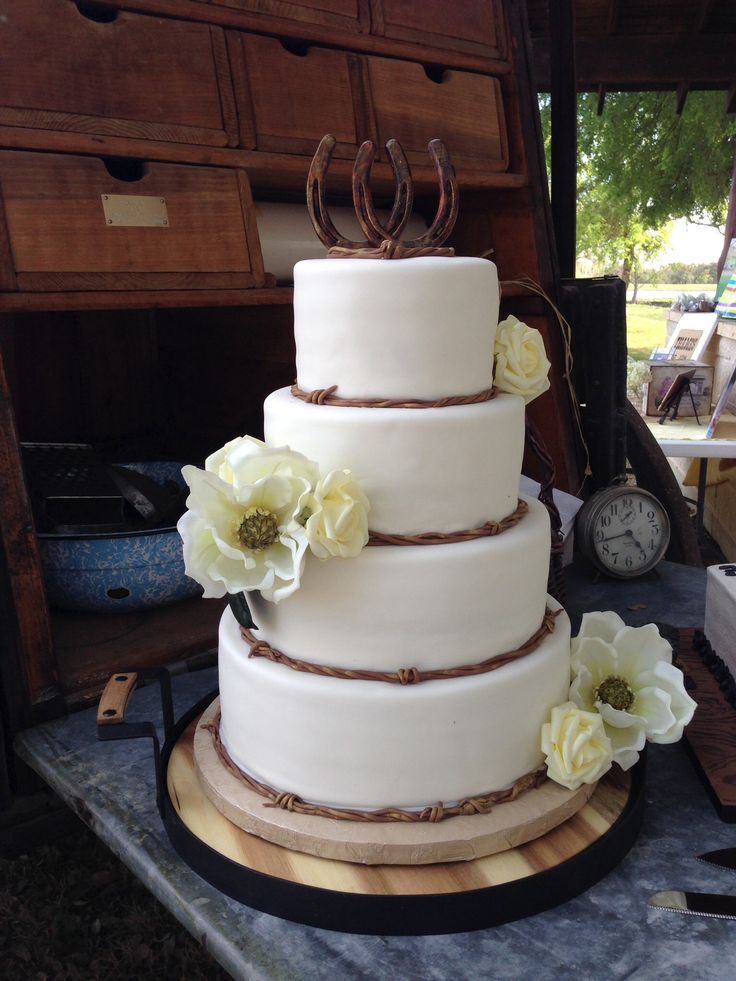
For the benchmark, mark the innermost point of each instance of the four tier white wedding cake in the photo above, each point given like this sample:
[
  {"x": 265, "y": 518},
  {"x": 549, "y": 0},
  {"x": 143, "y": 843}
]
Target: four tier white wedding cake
[
  {"x": 398, "y": 652},
  {"x": 410, "y": 330}
]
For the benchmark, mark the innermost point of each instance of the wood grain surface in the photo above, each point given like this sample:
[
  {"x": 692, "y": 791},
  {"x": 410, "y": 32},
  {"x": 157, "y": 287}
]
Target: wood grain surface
[
  {"x": 560, "y": 844},
  {"x": 711, "y": 736}
]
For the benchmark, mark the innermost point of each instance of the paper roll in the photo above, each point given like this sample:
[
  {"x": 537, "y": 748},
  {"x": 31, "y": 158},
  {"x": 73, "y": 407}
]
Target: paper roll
[{"x": 287, "y": 235}]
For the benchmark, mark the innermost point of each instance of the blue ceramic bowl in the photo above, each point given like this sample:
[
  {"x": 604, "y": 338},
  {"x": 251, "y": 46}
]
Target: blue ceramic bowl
[{"x": 122, "y": 570}]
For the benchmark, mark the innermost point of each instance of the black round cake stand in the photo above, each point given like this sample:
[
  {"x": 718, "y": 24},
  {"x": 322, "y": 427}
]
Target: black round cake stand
[{"x": 392, "y": 913}]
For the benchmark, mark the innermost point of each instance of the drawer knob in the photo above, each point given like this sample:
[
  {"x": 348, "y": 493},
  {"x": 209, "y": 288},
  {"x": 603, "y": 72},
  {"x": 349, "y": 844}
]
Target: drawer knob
[{"x": 96, "y": 12}]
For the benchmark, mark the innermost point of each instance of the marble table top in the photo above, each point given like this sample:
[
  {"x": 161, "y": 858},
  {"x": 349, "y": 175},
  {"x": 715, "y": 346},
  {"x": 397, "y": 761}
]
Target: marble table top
[{"x": 608, "y": 932}]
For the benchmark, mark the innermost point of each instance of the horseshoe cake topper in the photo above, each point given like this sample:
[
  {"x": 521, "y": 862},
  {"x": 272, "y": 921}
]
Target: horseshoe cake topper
[{"x": 382, "y": 241}]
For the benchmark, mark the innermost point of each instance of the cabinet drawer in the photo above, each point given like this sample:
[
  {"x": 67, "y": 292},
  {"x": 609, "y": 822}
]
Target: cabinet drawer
[
  {"x": 133, "y": 76},
  {"x": 344, "y": 15},
  {"x": 462, "y": 109},
  {"x": 289, "y": 97},
  {"x": 175, "y": 227},
  {"x": 463, "y": 25}
]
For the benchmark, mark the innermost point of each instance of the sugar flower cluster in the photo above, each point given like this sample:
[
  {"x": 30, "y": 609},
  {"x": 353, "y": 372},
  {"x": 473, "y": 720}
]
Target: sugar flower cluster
[
  {"x": 255, "y": 511},
  {"x": 625, "y": 691}
]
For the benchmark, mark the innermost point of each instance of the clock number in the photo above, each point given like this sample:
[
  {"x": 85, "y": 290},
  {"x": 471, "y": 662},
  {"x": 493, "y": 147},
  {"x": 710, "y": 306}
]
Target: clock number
[
  {"x": 615, "y": 557},
  {"x": 643, "y": 555},
  {"x": 606, "y": 520},
  {"x": 606, "y": 549},
  {"x": 629, "y": 562},
  {"x": 626, "y": 501},
  {"x": 650, "y": 515},
  {"x": 600, "y": 535}
]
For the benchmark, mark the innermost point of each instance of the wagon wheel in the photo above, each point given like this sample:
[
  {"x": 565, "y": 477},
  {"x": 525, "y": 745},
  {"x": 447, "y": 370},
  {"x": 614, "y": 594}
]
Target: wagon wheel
[{"x": 654, "y": 474}]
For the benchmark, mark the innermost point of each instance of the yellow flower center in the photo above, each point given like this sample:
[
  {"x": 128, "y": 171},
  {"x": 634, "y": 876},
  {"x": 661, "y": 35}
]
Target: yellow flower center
[
  {"x": 258, "y": 529},
  {"x": 616, "y": 692}
]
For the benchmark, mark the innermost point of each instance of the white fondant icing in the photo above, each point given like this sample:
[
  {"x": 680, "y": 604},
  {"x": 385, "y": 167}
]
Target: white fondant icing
[
  {"x": 370, "y": 744},
  {"x": 422, "y": 470},
  {"x": 720, "y": 615},
  {"x": 411, "y": 328},
  {"x": 422, "y": 606}
]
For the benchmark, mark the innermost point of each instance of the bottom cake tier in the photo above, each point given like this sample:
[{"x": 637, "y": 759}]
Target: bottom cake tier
[{"x": 368, "y": 744}]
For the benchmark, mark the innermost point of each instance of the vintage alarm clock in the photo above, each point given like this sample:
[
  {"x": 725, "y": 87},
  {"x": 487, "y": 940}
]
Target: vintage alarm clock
[{"x": 623, "y": 530}]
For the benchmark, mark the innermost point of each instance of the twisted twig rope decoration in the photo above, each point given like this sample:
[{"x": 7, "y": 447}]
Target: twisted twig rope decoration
[
  {"x": 404, "y": 676},
  {"x": 326, "y": 396},
  {"x": 488, "y": 530},
  {"x": 482, "y": 804},
  {"x": 388, "y": 249}
]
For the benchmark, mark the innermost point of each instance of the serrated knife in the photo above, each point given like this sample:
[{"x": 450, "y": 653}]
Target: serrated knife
[
  {"x": 711, "y": 904},
  {"x": 724, "y": 858}
]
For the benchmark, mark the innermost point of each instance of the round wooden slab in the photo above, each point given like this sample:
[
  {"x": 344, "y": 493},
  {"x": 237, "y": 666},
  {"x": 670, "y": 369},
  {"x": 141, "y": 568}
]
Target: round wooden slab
[
  {"x": 394, "y": 900},
  {"x": 456, "y": 839}
]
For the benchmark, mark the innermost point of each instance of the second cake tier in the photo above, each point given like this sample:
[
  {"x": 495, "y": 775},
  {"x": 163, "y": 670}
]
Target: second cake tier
[
  {"x": 423, "y": 470},
  {"x": 422, "y": 606}
]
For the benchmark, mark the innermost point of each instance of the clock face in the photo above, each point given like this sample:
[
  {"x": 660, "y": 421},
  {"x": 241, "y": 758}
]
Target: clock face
[{"x": 629, "y": 532}]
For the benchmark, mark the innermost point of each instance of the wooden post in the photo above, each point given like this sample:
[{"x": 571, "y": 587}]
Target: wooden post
[
  {"x": 564, "y": 131},
  {"x": 730, "y": 222}
]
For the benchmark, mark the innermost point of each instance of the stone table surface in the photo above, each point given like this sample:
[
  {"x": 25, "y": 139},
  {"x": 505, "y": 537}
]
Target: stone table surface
[{"x": 608, "y": 932}]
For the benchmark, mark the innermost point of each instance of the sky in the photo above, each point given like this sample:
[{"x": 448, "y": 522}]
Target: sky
[{"x": 691, "y": 243}]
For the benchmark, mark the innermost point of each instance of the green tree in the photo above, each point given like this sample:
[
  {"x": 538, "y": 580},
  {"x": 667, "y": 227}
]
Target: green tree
[{"x": 640, "y": 166}]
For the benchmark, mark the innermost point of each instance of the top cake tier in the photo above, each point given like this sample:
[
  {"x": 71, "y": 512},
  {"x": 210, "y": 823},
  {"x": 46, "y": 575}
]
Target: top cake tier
[{"x": 396, "y": 329}]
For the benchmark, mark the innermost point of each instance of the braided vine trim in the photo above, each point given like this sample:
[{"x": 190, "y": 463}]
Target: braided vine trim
[
  {"x": 480, "y": 804},
  {"x": 488, "y": 530},
  {"x": 404, "y": 676},
  {"x": 327, "y": 396}
]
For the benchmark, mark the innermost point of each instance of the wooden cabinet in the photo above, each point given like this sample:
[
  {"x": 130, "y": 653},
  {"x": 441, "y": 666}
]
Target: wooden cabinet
[
  {"x": 463, "y": 25},
  {"x": 111, "y": 72},
  {"x": 165, "y": 338},
  {"x": 464, "y": 110},
  {"x": 344, "y": 15},
  {"x": 85, "y": 223},
  {"x": 290, "y": 95}
]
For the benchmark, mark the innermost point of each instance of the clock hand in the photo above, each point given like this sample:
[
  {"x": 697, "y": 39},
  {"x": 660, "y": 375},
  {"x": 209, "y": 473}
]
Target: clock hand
[
  {"x": 625, "y": 534},
  {"x": 630, "y": 534}
]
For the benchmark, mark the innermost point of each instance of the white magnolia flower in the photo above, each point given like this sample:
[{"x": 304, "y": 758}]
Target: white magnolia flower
[
  {"x": 626, "y": 674},
  {"x": 245, "y": 460},
  {"x": 242, "y": 531},
  {"x": 576, "y": 747},
  {"x": 521, "y": 363},
  {"x": 338, "y": 516}
]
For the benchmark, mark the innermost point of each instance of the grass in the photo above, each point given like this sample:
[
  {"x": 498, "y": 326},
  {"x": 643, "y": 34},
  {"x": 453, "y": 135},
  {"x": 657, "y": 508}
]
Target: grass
[
  {"x": 671, "y": 291},
  {"x": 646, "y": 328},
  {"x": 70, "y": 911}
]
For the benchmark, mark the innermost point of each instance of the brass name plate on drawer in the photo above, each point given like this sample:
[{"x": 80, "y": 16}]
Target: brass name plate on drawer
[{"x": 135, "y": 210}]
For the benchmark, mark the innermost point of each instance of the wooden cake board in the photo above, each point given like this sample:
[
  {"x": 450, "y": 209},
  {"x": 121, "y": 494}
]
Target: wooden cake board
[
  {"x": 711, "y": 735},
  {"x": 455, "y": 839},
  {"x": 400, "y": 899}
]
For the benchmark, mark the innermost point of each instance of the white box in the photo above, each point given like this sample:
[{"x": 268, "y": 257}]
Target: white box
[{"x": 720, "y": 613}]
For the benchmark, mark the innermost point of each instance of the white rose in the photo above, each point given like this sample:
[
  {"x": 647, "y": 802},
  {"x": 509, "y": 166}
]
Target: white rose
[
  {"x": 241, "y": 532},
  {"x": 338, "y": 516},
  {"x": 576, "y": 747},
  {"x": 521, "y": 364},
  {"x": 626, "y": 674}
]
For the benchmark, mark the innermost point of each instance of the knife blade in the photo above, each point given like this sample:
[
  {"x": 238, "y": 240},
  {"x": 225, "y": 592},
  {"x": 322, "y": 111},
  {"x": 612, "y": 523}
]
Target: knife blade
[
  {"x": 711, "y": 904},
  {"x": 724, "y": 858}
]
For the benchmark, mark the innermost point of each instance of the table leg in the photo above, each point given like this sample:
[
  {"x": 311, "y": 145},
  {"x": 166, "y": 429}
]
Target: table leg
[{"x": 702, "y": 485}]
